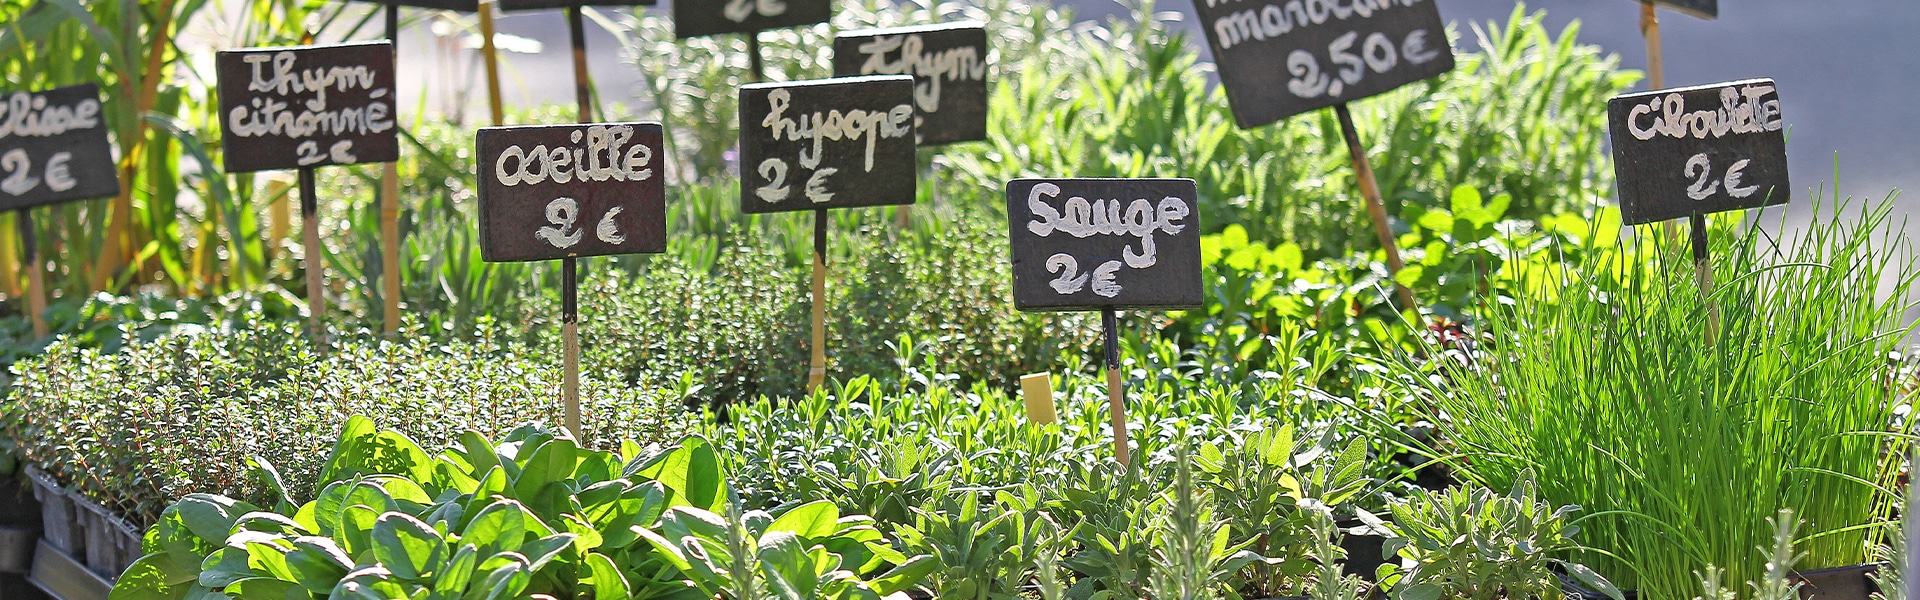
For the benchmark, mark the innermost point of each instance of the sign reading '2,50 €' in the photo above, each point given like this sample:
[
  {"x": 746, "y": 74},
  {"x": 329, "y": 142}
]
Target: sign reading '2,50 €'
[
  {"x": 1280, "y": 58},
  {"x": 550, "y": 192},
  {"x": 53, "y": 148},
  {"x": 835, "y": 143},
  {"x": 307, "y": 106},
  {"x": 1081, "y": 244}
]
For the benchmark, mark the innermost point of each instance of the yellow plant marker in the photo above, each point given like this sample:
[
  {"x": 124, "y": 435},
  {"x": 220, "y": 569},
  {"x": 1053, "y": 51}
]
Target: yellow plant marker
[{"x": 1037, "y": 391}]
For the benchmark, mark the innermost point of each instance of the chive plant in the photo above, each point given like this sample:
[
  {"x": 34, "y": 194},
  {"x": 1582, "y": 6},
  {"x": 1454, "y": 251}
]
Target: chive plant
[{"x": 1604, "y": 380}]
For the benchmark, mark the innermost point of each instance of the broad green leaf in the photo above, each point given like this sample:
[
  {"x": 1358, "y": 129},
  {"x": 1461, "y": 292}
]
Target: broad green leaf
[
  {"x": 1592, "y": 579},
  {"x": 499, "y": 526},
  {"x": 370, "y": 583},
  {"x": 147, "y": 579},
  {"x": 789, "y": 570},
  {"x": 409, "y": 548},
  {"x": 1465, "y": 198},
  {"x": 549, "y": 463},
  {"x": 458, "y": 572},
  {"x": 539, "y": 551},
  {"x": 817, "y": 519},
  {"x": 268, "y": 522},
  {"x": 907, "y": 575},
  {"x": 692, "y": 472},
  {"x": 263, "y": 588},
  {"x": 605, "y": 577},
  {"x": 318, "y": 564},
  {"x": 1421, "y": 591},
  {"x": 505, "y": 580},
  {"x": 356, "y": 528},
  {"x": 225, "y": 566},
  {"x": 352, "y": 435},
  {"x": 211, "y": 517}
]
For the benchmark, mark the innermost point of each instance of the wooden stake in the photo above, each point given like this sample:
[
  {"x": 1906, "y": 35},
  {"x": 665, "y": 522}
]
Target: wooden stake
[
  {"x": 1703, "y": 271},
  {"x": 491, "y": 57},
  {"x": 582, "y": 80},
  {"x": 817, "y": 366},
  {"x": 570, "y": 332},
  {"x": 1911, "y": 528},
  {"x": 1036, "y": 391},
  {"x": 390, "y": 218},
  {"x": 316, "y": 261},
  {"x": 36, "y": 287},
  {"x": 1650, "y": 29},
  {"x": 1376, "y": 208},
  {"x": 1116, "y": 387}
]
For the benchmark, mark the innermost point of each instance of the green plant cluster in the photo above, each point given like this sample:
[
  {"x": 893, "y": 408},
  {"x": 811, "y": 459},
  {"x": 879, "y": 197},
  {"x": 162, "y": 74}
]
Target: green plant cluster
[{"x": 534, "y": 514}]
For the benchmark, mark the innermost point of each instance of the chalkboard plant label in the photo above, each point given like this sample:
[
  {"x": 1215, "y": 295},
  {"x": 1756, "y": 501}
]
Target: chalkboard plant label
[
  {"x": 307, "y": 106},
  {"x": 1280, "y": 58},
  {"x": 54, "y": 148},
  {"x": 1699, "y": 150},
  {"x": 1085, "y": 244},
  {"x": 836, "y": 143},
  {"x": 453, "y": 5},
  {"x": 695, "y": 18},
  {"x": 517, "y": 5},
  {"x": 949, "y": 68},
  {"x": 1705, "y": 9},
  {"x": 550, "y": 192}
]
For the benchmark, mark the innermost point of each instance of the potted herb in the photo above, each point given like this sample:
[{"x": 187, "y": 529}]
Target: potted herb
[{"x": 1468, "y": 543}]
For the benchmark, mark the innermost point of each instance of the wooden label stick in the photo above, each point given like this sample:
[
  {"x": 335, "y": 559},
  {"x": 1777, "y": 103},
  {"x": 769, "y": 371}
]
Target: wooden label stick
[
  {"x": 316, "y": 260},
  {"x": 490, "y": 55},
  {"x": 390, "y": 219},
  {"x": 1911, "y": 529},
  {"x": 1036, "y": 391},
  {"x": 582, "y": 79},
  {"x": 817, "y": 363},
  {"x": 570, "y": 334},
  {"x": 1376, "y": 207},
  {"x": 1650, "y": 29},
  {"x": 36, "y": 286},
  {"x": 1116, "y": 387},
  {"x": 1703, "y": 272}
]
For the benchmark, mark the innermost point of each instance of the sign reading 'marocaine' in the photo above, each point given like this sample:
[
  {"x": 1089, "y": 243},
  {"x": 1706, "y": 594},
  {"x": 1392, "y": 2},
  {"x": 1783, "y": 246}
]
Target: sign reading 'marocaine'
[
  {"x": 1699, "y": 150},
  {"x": 53, "y": 148},
  {"x": 307, "y": 106},
  {"x": 1083, "y": 244},
  {"x": 949, "y": 68},
  {"x": 835, "y": 143},
  {"x": 1280, "y": 58},
  {"x": 550, "y": 192}
]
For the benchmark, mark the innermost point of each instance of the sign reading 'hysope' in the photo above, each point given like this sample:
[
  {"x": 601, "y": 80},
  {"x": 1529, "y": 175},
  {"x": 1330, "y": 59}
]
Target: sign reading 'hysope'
[
  {"x": 836, "y": 143},
  {"x": 1083, "y": 244},
  {"x": 1699, "y": 150},
  {"x": 1279, "y": 58}
]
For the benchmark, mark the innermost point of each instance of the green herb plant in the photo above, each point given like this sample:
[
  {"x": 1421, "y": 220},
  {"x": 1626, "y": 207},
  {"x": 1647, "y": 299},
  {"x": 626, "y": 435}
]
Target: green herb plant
[{"x": 1468, "y": 543}]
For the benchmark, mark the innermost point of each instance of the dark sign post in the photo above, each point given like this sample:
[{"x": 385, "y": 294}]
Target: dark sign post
[
  {"x": 567, "y": 191},
  {"x": 698, "y": 18},
  {"x": 1280, "y": 58},
  {"x": 949, "y": 68},
  {"x": 53, "y": 149},
  {"x": 1107, "y": 245},
  {"x": 1691, "y": 152},
  {"x": 820, "y": 145},
  {"x": 304, "y": 107}
]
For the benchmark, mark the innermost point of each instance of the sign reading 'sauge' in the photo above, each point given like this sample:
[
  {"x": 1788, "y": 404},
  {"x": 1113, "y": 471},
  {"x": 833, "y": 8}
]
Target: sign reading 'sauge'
[
  {"x": 695, "y": 18},
  {"x": 838, "y": 143},
  {"x": 1280, "y": 58},
  {"x": 1699, "y": 150},
  {"x": 54, "y": 148},
  {"x": 949, "y": 67},
  {"x": 307, "y": 106},
  {"x": 550, "y": 192},
  {"x": 1081, "y": 244}
]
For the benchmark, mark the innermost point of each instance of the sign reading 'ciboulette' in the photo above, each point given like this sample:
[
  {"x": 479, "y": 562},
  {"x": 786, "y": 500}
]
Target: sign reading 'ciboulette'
[
  {"x": 54, "y": 148},
  {"x": 1279, "y": 58},
  {"x": 1699, "y": 150},
  {"x": 1082, "y": 244},
  {"x": 836, "y": 143},
  {"x": 307, "y": 106},
  {"x": 949, "y": 68},
  {"x": 695, "y": 18},
  {"x": 550, "y": 192}
]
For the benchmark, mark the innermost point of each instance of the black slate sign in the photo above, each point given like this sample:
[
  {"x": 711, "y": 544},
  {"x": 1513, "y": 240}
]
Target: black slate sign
[
  {"x": 695, "y": 18},
  {"x": 836, "y": 143},
  {"x": 1280, "y": 58},
  {"x": 1084, "y": 244},
  {"x": 307, "y": 106},
  {"x": 456, "y": 5},
  {"x": 515, "y": 5},
  {"x": 1705, "y": 9},
  {"x": 1703, "y": 150},
  {"x": 949, "y": 68},
  {"x": 550, "y": 192},
  {"x": 53, "y": 148}
]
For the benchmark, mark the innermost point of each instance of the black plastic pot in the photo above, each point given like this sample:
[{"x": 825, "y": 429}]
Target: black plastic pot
[
  {"x": 1838, "y": 583},
  {"x": 112, "y": 543},
  {"x": 59, "y": 518},
  {"x": 1363, "y": 551}
]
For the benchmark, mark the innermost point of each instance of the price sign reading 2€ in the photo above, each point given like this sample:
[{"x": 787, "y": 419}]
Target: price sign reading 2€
[
  {"x": 1082, "y": 244},
  {"x": 307, "y": 106},
  {"x": 550, "y": 192},
  {"x": 1699, "y": 150},
  {"x": 836, "y": 143},
  {"x": 53, "y": 148},
  {"x": 1279, "y": 58}
]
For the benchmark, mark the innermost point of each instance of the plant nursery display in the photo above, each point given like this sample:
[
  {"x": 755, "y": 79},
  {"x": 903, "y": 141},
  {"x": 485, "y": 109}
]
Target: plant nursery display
[{"x": 1428, "y": 345}]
